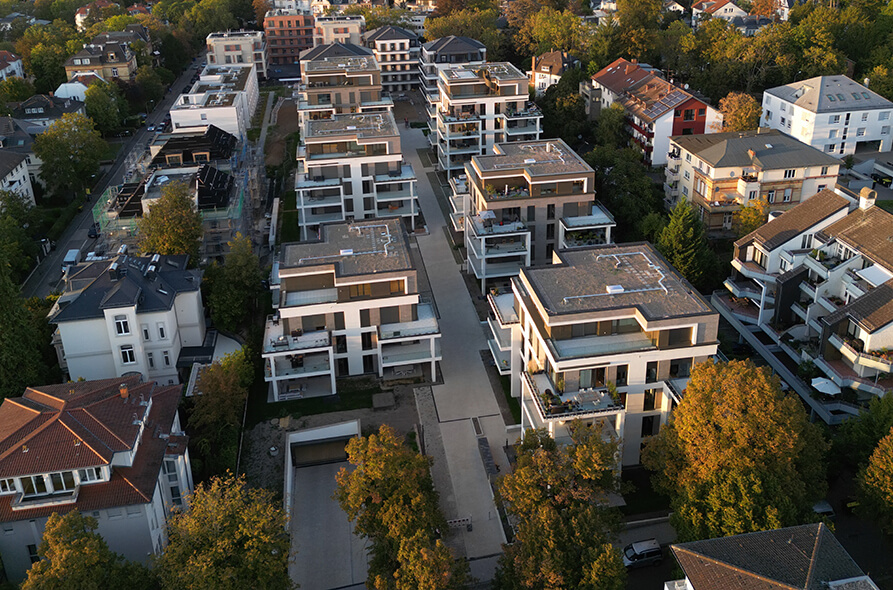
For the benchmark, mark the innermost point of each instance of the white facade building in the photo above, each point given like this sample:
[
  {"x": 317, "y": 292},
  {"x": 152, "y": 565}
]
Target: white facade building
[
  {"x": 831, "y": 113},
  {"x": 339, "y": 29},
  {"x": 224, "y": 96},
  {"x": 14, "y": 175},
  {"x": 129, "y": 315},
  {"x": 10, "y": 65},
  {"x": 238, "y": 47}
]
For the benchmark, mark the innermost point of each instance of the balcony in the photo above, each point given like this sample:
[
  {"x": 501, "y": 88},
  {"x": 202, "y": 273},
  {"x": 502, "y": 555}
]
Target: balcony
[
  {"x": 844, "y": 376},
  {"x": 529, "y": 112},
  {"x": 673, "y": 156},
  {"x": 602, "y": 345},
  {"x": 297, "y": 365},
  {"x": 491, "y": 269},
  {"x": 491, "y": 227},
  {"x": 449, "y": 130},
  {"x": 426, "y": 324},
  {"x": 404, "y": 174},
  {"x": 392, "y": 194},
  {"x": 520, "y": 130},
  {"x": 503, "y": 306},
  {"x": 752, "y": 270},
  {"x": 310, "y": 218},
  {"x": 459, "y": 184},
  {"x": 501, "y": 336},
  {"x": 277, "y": 341},
  {"x": 22, "y": 502},
  {"x": 306, "y": 201},
  {"x": 465, "y": 147},
  {"x": 672, "y": 172},
  {"x": 744, "y": 288},
  {"x": 401, "y": 354},
  {"x": 303, "y": 387},
  {"x": 598, "y": 217},
  {"x": 742, "y": 308},
  {"x": 312, "y": 297},
  {"x": 497, "y": 249},
  {"x": 671, "y": 189},
  {"x": 881, "y": 360},
  {"x": 583, "y": 403}
]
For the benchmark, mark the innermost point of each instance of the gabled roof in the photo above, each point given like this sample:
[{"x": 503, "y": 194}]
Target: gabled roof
[
  {"x": 621, "y": 75},
  {"x": 454, "y": 44},
  {"x": 711, "y": 6},
  {"x": 794, "y": 222},
  {"x": 766, "y": 149},
  {"x": 389, "y": 33},
  {"x": 868, "y": 231},
  {"x": 830, "y": 94},
  {"x": 130, "y": 34},
  {"x": 53, "y": 107},
  {"x": 7, "y": 58},
  {"x": 805, "y": 557},
  {"x": 97, "y": 54},
  {"x": 335, "y": 50},
  {"x": 9, "y": 161},
  {"x": 652, "y": 97},
  {"x": 213, "y": 188},
  {"x": 14, "y": 137},
  {"x": 556, "y": 62},
  {"x": 872, "y": 311}
]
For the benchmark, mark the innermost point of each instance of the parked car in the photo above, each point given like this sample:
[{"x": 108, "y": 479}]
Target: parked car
[
  {"x": 882, "y": 179},
  {"x": 642, "y": 553},
  {"x": 93, "y": 232},
  {"x": 823, "y": 509}
]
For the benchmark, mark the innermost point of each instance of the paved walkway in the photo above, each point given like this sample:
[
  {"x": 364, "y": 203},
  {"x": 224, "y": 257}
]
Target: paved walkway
[{"x": 466, "y": 392}]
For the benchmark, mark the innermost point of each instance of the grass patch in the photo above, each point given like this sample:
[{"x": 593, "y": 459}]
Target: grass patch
[
  {"x": 885, "y": 205},
  {"x": 289, "y": 200},
  {"x": 513, "y": 402},
  {"x": 290, "y": 231},
  {"x": 643, "y": 499},
  {"x": 419, "y": 125},
  {"x": 253, "y": 134},
  {"x": 111, "y": 151},
  {"x": 353, "y": 394}
]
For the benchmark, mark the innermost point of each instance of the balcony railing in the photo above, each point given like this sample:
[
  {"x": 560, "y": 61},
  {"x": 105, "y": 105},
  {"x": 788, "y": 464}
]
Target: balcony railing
[
  {"x": 276, "y": 340},
  {"x": 425, "y": 324},
  {"x": 878, "y": 361},
  {"x": 22, "y": 502},
  {"x": 577, "y": 404}
]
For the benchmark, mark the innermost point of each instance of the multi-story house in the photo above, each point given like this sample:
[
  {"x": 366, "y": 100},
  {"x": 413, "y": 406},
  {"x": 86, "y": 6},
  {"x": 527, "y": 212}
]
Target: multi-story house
[
  {"x": 337, "y": 79},
  {"x": 831, "y": 113},
  {"x": 606, "y": 335},
  {"x": 524, "y": 202},
  {"x": 10, "y": 65},
  {"x": 443, "y": 53},
  {"x": 40, "y": 111},
  {"x": 547, "y": 69},
  {"x": 76, "y": 87},
  {"x": 722, "y": 9},
  {"x": 339, "y": 28},
  {"x": 397, "y": 52},
  {"x": 479, "y": 106},
  {"x": 83, "y": 13},
  {"x": 655, "y": 109},
  {"x": 129, "y": 315},
  {"x": 815, "y": 284},
  {"x": 348, "y": 304},
  {"x": 224, "y": 96},
  {"x": 351, "y": 167},
  {"x": 238, "y": 47},
  {"x": 289, "y": 32},
  {"x": 107, "y": 60},
  {"x": 719, "y": 173},
  {"x": 135, "y": 36},
  {"x": 111, "y": 449},
  {"x": 15, "y": 138},
  {"x": 14, "y": 175}
]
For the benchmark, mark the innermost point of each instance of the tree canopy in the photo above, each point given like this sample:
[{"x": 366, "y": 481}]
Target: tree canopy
[
  {"x": 105, "y": 104},
  {"x": 70, "y": 149},
  {"x": 477, "y": 24},
  {"x": 21, "y": 364},
  {"x": 684, "y": 244},
  {"x": 752, "y": 216},
  {"x": 235, "y": 285},
  {"x": 858, "y": 436},
  {"x": 876, "y": 483},
  {"x": 740, "y": 112},
  {"x": 739, "y": 455},
  {"x": 173, "y": 225}
]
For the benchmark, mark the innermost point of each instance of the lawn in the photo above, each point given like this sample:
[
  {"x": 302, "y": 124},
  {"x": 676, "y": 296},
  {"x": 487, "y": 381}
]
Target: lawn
[
  {"x": 885, "y": 205},
  {"x": 514, "y": 403},
  {"x": 290, "y": 231},
  {"x": 111, "y": 151},
  {"x": 353, "y": 394}
]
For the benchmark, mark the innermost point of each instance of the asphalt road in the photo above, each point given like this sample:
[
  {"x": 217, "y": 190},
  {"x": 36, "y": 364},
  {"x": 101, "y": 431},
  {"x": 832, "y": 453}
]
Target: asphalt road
[{"x": 48, "y": 275}]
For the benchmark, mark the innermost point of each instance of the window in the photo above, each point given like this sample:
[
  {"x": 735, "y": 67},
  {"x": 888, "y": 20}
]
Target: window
[
  {"x": 145, "y": 330},
  {"x": 550, "y": 211},
  {"x": 7, "y": 486},
  {"x": 770, "y": 196},
  {"x": 783, "y": 121},
  {"x": 32, "y": 554},
  {"x": 883, "y": 115},
  {"x": 687, "y": 174},
  {"x": 62, "y": 481},
  {"x": 127, "y": 356},
  {"x": 688, "y": 115},
  {"x": 364, "y": 290},
  {"x": 622, "y": 375},
  {"x": 824, "y": 170},
  {"x": 830, "y": 147},
  {"x": 833, "y": 119},
  {"x": 531, "y": 213},
  {"x": 788, "y": 192},
  {"x": 34, "y": 485},
  {"x": 768, "y": 115},
  {"x": 114, "y": 72},
  {"x": 651, "y": 372},
  {"x": 167, "y": 358},
  {"x": 650, "y": 396},
  {"x": 751, "y": 195},
  {"x": 204, "y": 117},
  {"x": 680, "y": 367},
  {"x": 114, "y": 513},
  {"x": 90, "y": 474},
  {"x": 790, "y": 173},
  {"x": 885, "y": 130},
  {"x": 688, "y": 157},
  {"x": 122, "y": 327},
  {"x": 151, "y": 359},
  {"x": 650, "y": 425},
  {"x": 860, "y": 132},
  {"x": 133, "y": 511},
  {"x": 759, "y": 257},
  {"x": 161, "y": 333},
  {"x": 550, "y": 231},
  {"x": 396, "y": 287},
  {"x": 864, "y": 116}
]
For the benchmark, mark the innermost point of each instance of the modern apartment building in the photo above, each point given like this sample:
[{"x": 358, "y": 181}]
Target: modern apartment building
[
  {"x": 479, "y": 106},
  {"x": 831, "y": 113},
  {"x": 524, "y": 202},
  {"x": 289, "y": 32},
  {"x": 224, "y": 96},
  {"x": 606, "y": 335},
  {"x": 351, "y": 167},
  {"x": 106, "y": 60},
  {"x": 655, "y": 108},
  {"x": 129, "y": 315},
  {"x": 443, "y": 53},
  {"x": 339, "y": 28},
  {"x": 397, "y": 53},
  {"x": 815, "y": 284},
  {"x": 238, "y": 47},
  {"x": 111, "y": 449},
  {"x": 719, "y": 173},
  {"x": 340, "y": 78},
  {"x": 348, "y": 304}
]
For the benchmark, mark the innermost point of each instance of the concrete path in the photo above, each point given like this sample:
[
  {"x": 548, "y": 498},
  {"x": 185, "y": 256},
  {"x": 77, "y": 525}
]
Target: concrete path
[{"x": 265, "y": 122}]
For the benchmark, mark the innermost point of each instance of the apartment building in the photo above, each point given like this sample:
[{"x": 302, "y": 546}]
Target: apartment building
[
  {"x": 289, "y": 32},
  {"x": 443, "y": 53},
  {"x": 479, "y": 106},
  {"x": 238, "y": 47},
  {"x": 339, "y": 78},
  {"x": 224, "y": 96},
  {"x": 339, "y": 28},
  {"x": 831, "y": 113},
  {"x": 14, "y": 175},
  {"x": 15, "y": 138},
  {"x": 112, "y": 449},
  {"x": 655, "y": 108},
  {"x": 524, "y": 202},
  {"x": 397, "y": 52},
  {"x": 10, "y": 65},
  {"x": 607, "y": 335},
  {"x": 546, "y": 69},
  {"x": 817, "y": 281},
  {"x": 348, "y": 304},
  {"x": 128, "y": 315},
  {"x": 351, "y": 167},
  {"x": 40, "y": 111},
  {"x": 106, "y": 60},
  {"x": 719, "y": 173}
]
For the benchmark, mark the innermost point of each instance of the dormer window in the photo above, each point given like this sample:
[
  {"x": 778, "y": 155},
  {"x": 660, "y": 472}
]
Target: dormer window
[
  {"x": 7, "y": 486},
  {"x": 90, "y": 474}
]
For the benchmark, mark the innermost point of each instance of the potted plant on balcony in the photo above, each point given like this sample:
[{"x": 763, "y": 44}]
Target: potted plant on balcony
[{"x": 615, "y": 395}]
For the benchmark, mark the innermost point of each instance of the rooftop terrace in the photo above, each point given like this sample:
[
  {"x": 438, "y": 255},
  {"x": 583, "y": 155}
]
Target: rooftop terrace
[
  {"x": 340, "y": 64},
  {"x": 361, "y": 126},
  {"x": 495, "y": 71},
  {"x": 536, "y": 158}
]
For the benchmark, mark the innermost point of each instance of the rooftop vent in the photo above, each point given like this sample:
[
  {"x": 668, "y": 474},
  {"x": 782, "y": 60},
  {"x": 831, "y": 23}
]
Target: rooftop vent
[
  {"x": 346, "y": 251},
  {"x": 530, "y": 161},
  {"x": 122, "y": 250},
  {"x": 614, "y": 289}
]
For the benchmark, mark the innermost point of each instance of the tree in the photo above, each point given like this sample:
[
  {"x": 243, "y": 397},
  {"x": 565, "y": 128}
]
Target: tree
[
  {"x": 70, "y": 150},
  {"x": 752, "y": 216},
  {"x": 379, "y": 16},
  {"x": 557, "y": 496},
  {"x": 261, "y": 8},
  {"x": 391, "y": 498},
  {"x": 20, "y": 358},
  {"x": 235, "y": 285},
  {"x": 610, "y": 128},
  {"x": 739, "y": 455},
  {"x": 552, "y": 30},
  {"x": 477, "y": 24},
  {"x": 173, "y": 225},
  {"x": 231, "y": 537},
  {"x": 75, "y": 557},
  {"x": 563, "y": 110},
  {"x": 858, "y": 436},
  {"x": 105, "y": 104},
  {"x": 876, "y": 483},
  {"x": 17, "y": 248},
  {"x": 48, "y": 66},
  {"x": 205, "y": 17},
  {"x": 150, "y": 84},
  {"x": 15, "y": 89},
  {"x": 740, "y": 112},
  {"x": 684, "y": 244}
]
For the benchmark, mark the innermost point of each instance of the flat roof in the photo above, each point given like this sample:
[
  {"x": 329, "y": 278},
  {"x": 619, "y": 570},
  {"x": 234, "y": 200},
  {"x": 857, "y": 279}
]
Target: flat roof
[
  {"x": 362, "y": 126},
  {"x": 341, "y": 64},
  {"x": 537, "y": 158},
  {"x": 502, "y": 70},
  {"x": 355, "y": 248},
  {"x": 610, "y": 277}
]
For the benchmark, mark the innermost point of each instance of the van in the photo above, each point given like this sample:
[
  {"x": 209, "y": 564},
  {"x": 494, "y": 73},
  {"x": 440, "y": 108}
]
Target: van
[
  {"x": 642, "y": 553},
  {"x": 71, "y": 257},
  {"x": 824, "y": 510}
]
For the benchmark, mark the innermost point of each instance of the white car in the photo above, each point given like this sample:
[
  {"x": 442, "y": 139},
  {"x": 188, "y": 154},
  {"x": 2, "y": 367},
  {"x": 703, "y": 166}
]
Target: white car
[{"x": 642, "y": 553}]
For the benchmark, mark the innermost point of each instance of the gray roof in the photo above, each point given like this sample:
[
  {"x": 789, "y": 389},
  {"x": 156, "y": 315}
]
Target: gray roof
[
  {"x": 90, "y": 289},
  {"x": 354, "y": 248},
  {"x": 335, "y": 50},
  {"x": 772, "y": 150},
  {"x": 389, "y": 33},
  {"x": 454, "y": 44},
  {"x": 805, "y": 557},
  {"x": 613, "y": 277},
  {"x": 795, "y": 221},
  {"x": 830, "y": 94},
  {"x": 537, "y": 158},
  {"x": 9, "y": 161},
  {"x": 52, "y": 107}
]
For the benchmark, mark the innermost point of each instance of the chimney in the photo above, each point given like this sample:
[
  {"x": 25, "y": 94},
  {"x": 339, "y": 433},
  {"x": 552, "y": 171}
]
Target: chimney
[
  {"x": 123, "y": 390},
  {"x": 752, "y": 154},
  {"x": 867, "y": 197},
  {"x": 113, "y": 272}
]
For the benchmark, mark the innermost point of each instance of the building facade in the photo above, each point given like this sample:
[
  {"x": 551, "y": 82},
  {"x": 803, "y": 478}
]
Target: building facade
[
  {"x": 547, "y": 69},
  {"x": 348, "y": 304},
  {"x": 443, "y": 53},
  {"x": 10, "y": 65},
  {"x": 397, "y": 53},
  {"x": 238, "y": 47},
  {"x": 14, "y": 175},
  {"x": 339, "y": 28},
  {"x": 224, "y": 96},
  {"x": 40, "y": 111},
  {"x": 831, "y": 113},
  {"x": 106, "y": 60},
  {"x": 289, "y": 32}
]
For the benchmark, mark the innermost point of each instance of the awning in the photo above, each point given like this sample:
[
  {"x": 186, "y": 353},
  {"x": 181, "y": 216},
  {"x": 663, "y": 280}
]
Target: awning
[{"x": 825, "y": 385}]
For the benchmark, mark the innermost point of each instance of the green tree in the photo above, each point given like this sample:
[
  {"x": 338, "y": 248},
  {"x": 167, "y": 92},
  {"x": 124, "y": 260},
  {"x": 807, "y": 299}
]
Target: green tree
[
  {"x": 48, "y": 66},
  {"x": 752, "y": 216},
  {"x": 858, "y": 436},
  {"x": 20, "y": 357},
  {"x": 231, "y": 537},
  {"x": 75, "y": 557},
  {"x": 477, "y": 24},
  {"x": 150, "y": 84},
  {"x": 173, "y": 225},
  {"x": 740, "y": 112},
  {"x": 17, "y": 248},
  {"x": 205, "y": 17},
  {"x": 379, "y": 16},
  {"x": 391, "y": 498},
  {"x": 563, "y": 110},
  {"x": 610, "y": 128},
  {"x": 15, "y": 89},
  {"x": 684, "y": 245},
  {"x": 876, "y": 483},
  {"x": 739, "y": 455},
  {"x": 552, "y": 30},
  {"x": 70, "y": 150},
  {"x": 558, "y": 498},
  {"x": 105, "y": 104},
  {"x": 235, "y": 286}
]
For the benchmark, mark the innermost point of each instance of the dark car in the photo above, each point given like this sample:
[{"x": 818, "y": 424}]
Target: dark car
[
  {"x": 882, "y": 179},
  {"x": 93, "y": 232}
]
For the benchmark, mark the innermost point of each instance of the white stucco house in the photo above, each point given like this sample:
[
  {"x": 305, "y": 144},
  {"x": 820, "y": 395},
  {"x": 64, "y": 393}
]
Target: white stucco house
[
  {"x": 14, "y": 175},
  {"x": 224, "y": 95}
]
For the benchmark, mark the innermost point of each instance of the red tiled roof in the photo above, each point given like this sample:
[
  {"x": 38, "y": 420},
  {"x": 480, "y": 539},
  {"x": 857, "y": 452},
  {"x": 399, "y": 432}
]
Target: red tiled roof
[
  {"x": 620, "y": 75},
  {"x": 7, "y": 57}
]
